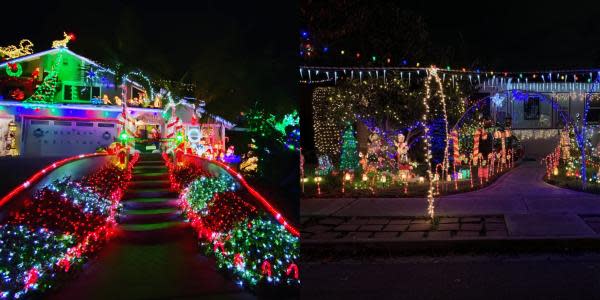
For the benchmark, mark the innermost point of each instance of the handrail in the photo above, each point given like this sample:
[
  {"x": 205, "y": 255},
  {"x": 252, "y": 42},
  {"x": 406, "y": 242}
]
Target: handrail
[
  {"x": 278, "y": 216},
  {"x": 42, "y": 172}
]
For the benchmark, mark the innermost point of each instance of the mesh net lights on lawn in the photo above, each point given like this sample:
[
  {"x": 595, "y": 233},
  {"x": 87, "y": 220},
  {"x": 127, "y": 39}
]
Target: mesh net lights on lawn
[
  {"x": 243, "y": 240},
  {"x": 55, "y": 230}
]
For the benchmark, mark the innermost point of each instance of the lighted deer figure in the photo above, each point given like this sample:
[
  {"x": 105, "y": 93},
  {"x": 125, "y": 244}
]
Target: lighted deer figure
[
  {"x": 63, "y": 43},
  {"x": 12, "y": 51}
]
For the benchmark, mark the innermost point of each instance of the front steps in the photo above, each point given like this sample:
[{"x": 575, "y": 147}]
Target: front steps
[{"x": 150, "y": 210}]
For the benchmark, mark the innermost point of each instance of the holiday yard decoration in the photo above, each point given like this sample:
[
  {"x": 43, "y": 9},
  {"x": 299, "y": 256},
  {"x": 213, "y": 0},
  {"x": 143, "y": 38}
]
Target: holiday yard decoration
[
  {"x": 58, "y": 229},
  {"x": 349, "y": 150}
]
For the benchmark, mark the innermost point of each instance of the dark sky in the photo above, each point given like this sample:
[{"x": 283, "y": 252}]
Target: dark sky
[
  {"x": 237, "y": 52},
  {"x": 518, "y": 35},
  {"x": 507, "y": 35}
]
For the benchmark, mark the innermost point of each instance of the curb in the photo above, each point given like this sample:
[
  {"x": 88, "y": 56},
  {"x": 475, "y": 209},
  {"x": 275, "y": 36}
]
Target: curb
[{"x": 460, "y": 245}]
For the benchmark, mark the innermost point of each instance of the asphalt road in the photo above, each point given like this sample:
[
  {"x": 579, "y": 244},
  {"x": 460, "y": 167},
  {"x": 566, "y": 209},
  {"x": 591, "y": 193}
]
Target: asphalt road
[{"x": 531, "y": 276}]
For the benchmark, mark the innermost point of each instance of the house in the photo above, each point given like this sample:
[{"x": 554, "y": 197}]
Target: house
[
  {"x": 59, "y": 103},
  {"x": 537, "y": 110}
]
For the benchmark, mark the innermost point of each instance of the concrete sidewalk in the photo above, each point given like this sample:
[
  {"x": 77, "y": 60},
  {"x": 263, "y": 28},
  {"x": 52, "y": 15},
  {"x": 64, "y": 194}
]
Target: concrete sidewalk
[{"x": 518, "y": 205}]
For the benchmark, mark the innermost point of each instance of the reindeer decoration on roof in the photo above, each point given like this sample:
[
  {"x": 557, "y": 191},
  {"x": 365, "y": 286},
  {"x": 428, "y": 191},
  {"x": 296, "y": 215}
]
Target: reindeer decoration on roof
[
  {"x": 25, "y": 48},
  {"x": 63, "y": 43}
]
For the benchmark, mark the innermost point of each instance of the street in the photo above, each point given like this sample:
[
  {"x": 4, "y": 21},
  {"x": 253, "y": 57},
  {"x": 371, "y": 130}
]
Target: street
[{"x": 489, "y": 276}]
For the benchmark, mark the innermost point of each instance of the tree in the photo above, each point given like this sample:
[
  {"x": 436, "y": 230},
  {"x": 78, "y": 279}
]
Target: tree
[{"x": 349, "y": 159}]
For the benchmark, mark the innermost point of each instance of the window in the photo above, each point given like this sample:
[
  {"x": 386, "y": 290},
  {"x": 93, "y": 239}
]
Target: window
[
  {"x": 67, "y": 92},
  {"x": 74, "y": 92},
  {"x": 531, "y": 110}
]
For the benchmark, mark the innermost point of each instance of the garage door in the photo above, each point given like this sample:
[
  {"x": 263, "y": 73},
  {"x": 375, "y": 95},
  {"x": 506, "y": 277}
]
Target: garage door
[{"x": 65, "y": 137}]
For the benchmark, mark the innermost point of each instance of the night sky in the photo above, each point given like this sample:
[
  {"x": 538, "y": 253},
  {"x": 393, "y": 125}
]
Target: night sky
[
  {"x": 237, "y": 53},
  {"x": 506, "y": 35}
]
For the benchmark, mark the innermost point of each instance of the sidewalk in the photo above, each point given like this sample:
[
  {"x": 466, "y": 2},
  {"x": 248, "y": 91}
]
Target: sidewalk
[{"x": 519, "y": 205}]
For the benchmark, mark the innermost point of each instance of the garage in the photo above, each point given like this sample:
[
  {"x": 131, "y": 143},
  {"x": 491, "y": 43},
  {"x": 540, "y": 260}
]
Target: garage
[{"x": 46, "y": 137}]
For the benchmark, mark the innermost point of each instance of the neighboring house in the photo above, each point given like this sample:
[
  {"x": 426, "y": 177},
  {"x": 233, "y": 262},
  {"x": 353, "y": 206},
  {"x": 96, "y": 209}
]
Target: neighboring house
[
  {"x": 536, "y": 115},
  {"x": 59, "y": 103}
]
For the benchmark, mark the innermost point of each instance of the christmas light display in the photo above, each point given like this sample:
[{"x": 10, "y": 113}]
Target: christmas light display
[
  {"x": 28, "y": 258},
  {"x": 349, "y": 149},
  {"x": 63, "y": 43},
  {"x": 259, "y": 251},
  {"x": 182, "y": 175},
  {"x": 57, "y": 229},
  {"x": 203, "y": 189},
  {"x": 46, "y": 90},
  {"x": 14, "y": 69},
  {"x": 25, "y": 48}
]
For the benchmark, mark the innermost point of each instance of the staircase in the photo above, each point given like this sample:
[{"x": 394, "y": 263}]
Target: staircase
[{"x": 150, "y": 210}]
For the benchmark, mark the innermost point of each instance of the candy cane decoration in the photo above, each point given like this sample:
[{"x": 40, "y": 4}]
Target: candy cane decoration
[
  {"x": 455, "y": 151},
  {"x": 266, "y": 268},
  {"x": 292, "y": 268},
  {"x": 476, "y": 137},
  {"x": 126, "y": 122}
]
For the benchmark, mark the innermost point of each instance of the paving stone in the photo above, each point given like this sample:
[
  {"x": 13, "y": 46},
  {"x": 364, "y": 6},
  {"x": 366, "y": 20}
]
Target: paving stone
[
  {"x": 494, "y": 220},
  {"x": 450, "y": 226},
  {"x": 395, "y": 227},
  {"x": 470, "y": 220},
  {"x": 470, "y": 227},
  {"x": 448, "y": 220},
  {"x": 347, "y": 227},
  {"x": 593, "y": 219},
  {"x": 316, "y": 228},
  {"x": 419, "y": 227},
  {"x": 304, "y": 220},
  {"x": 378, "y": 221},
  {"x": 385, "y": 235},
  {"x": 420, "y": 221},
  {"x": 331, "y": 221},
  {"x": 358, "y": 235},
  {"x": 496, "y": 233},
  {"x": 399, "y": 221},
  {"x": 438, "y": 235},
  {"x": 370, "y": 228},
  {"x": 595, "y": 227},
  {"x": 330, "y": 235},
  {"x": 467, "y": 234},
  {"x": 412, "y": 236},
  {"x": 495, "y": 226},
  {"x": 357, "y": 221}
]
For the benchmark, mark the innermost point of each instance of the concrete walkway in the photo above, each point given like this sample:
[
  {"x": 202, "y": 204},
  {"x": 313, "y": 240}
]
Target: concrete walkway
[{"x": 530, "y": 206}]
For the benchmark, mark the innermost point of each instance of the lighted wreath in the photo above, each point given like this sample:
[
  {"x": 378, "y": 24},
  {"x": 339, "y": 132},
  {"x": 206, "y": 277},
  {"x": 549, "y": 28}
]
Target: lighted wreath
[
  {"x": 38, "y": 133},
  {"x": 14, "y": 70},
  {"x": 106, "y": 135}
]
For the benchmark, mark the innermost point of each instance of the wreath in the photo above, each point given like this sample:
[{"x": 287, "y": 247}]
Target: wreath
[
  {"x": 38, "y": 132},
  {"x": 14, "y": 70},
  {"x": 106, "y": 135}
]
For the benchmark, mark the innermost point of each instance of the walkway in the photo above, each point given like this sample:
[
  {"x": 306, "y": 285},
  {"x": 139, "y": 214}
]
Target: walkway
[
  {"x": 530, "y": 206},
  {"x": 156, "y": 254}
]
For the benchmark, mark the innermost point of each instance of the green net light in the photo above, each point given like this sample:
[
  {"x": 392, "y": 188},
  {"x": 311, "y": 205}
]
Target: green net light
[{"x": 123, "y": 136}]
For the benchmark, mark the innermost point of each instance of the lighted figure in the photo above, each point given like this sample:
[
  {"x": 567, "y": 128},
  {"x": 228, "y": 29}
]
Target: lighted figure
[
  {"x": 565, "y": 145},
  {"x": 158, "y": 101},
  {"x": 401, "y": 149},
  {"x": 25, "y": 48},
  {"x": 17, "y": 94},
  {"x": 363, "y": 161},
  {"x": 118, "y": 101},
  {"x": 325, "y": 165},
  {"x": 105, "y": 99},
  {"x": 63, "y": 43}
]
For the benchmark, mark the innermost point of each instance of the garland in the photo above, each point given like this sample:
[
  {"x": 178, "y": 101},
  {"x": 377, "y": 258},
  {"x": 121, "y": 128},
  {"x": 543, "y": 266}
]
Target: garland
[{"x": 46, "y": 90}]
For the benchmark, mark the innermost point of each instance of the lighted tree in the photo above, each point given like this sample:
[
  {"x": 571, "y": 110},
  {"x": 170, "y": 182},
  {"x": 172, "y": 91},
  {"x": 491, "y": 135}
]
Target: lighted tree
[{"x": 349, "y": 158}]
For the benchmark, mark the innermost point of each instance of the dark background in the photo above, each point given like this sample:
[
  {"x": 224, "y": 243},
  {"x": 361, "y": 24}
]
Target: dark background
[
  {"x": 501, "y": 35},
  {"x": 237, "y": 52}
]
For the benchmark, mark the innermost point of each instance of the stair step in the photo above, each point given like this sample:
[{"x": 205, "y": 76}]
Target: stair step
[
  {"x": 151, "y": 163},
  {"x": 155, "y": 211},
  {"x": 172, "y": 215},
  {"x": 151, "y": 176},
  {"x": 152, "y": 226},
  {"x": 150, "y": 193},
  {"x": 161, "y": 183}
]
